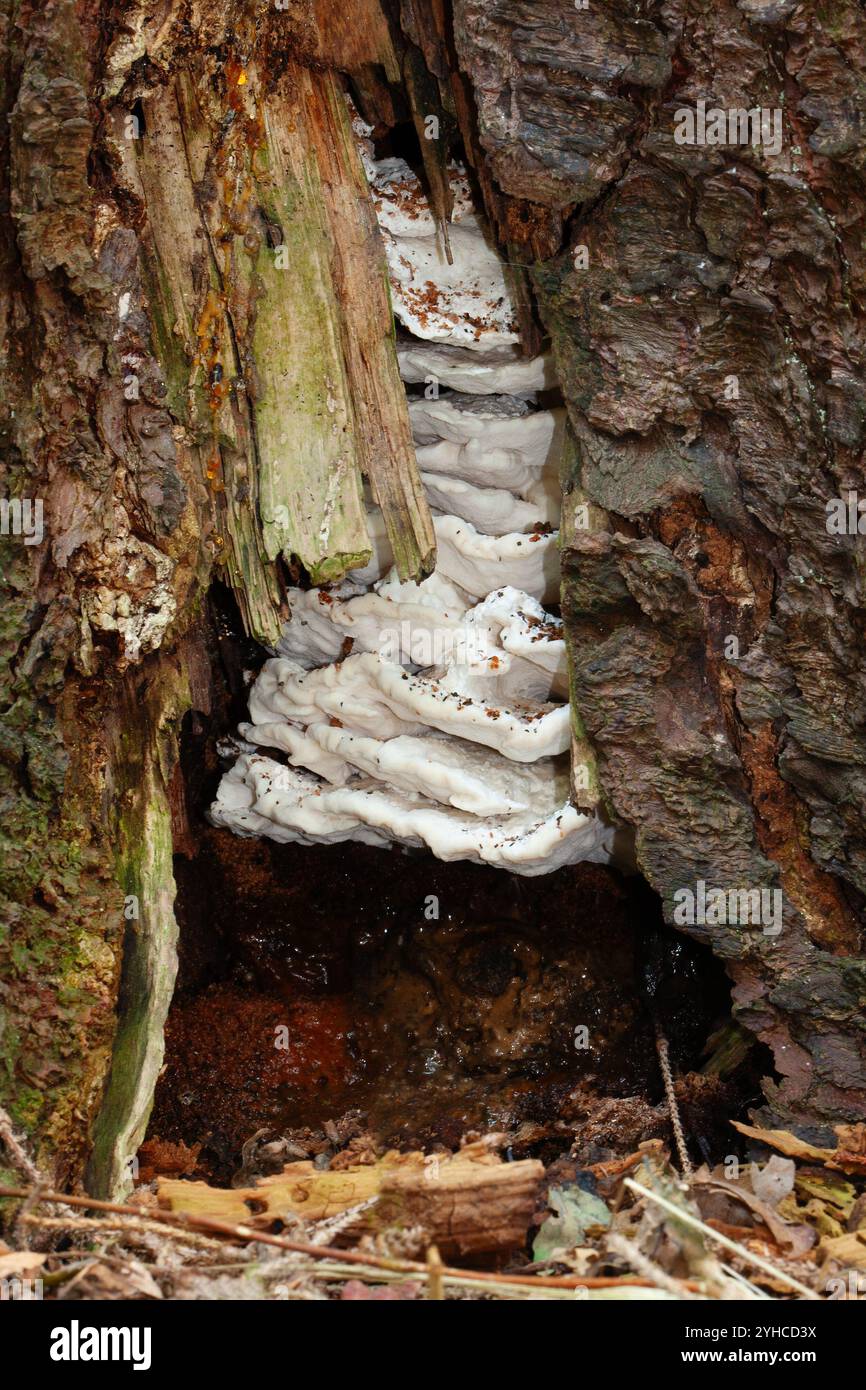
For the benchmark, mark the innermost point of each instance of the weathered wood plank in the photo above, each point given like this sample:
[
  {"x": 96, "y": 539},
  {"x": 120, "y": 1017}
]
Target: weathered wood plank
[
  {"x": 386, "y": 451},
  {"x": 311, "y": 499},
  {"x": 467, "y": 1203}
]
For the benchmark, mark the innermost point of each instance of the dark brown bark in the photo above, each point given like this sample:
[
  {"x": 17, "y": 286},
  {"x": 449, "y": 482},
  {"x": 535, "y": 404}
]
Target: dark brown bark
[
  {"x": 738, "y": 764},
  {"x": 199, "y": 368}
]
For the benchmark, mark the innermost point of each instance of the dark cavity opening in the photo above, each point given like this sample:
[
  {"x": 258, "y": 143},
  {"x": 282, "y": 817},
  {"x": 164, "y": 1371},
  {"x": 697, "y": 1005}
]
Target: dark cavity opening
[{"x": 334, "y": 995}]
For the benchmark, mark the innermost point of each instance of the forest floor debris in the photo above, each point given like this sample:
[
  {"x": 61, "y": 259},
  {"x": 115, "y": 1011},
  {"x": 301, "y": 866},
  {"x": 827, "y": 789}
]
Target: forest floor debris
[{"x": 467, "y": 1225}]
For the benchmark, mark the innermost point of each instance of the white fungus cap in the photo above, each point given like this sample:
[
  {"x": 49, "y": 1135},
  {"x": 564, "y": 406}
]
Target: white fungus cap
[
  {"x": 478, "y": 372},
  {"x": 370, "y": 695},
  {"x": 465, "y": 303},
  {"x": 434, "y": 714},
  {"x": 479, "y": 563},
  {"x": 261, "y": 797}
]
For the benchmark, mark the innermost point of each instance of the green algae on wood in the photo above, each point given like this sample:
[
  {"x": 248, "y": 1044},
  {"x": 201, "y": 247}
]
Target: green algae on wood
[
  {"x": 145, "y": 756},
  {"x": 194, "y": 338},
  {"x": 311, "y": 498},
  {"x": 266, "y": 273},
  {"x": 384, "y": 437},
  {"x": 60, "y": 909}
]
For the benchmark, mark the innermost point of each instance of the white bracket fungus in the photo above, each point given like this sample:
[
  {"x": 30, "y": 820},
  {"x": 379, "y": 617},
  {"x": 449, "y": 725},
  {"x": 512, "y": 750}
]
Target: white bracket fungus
[
  {"x": 435, "y": 714},
  {"x": 261, "y": 797},
  {"x": 475, "y": 371},
  {"x": 463, "y": 304}
]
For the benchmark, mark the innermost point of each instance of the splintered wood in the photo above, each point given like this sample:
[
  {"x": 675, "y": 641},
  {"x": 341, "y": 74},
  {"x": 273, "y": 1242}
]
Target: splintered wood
[
  {"x": 271, "y": 317},
  {"x": 471, "y": 1203}
]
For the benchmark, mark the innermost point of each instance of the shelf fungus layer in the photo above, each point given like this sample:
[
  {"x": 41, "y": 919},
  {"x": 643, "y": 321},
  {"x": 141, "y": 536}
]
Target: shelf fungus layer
[{"x": 435, "y": 714}]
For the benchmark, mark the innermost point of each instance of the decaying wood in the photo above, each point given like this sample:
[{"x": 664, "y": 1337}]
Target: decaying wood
[
  {"x": 466, "y": 1204},
  {"x": 144, "y": 734},
  {"x": 300, "y": 1187},
  {"x": 349, "y": 37},
  {"x": 384, "y": 440},
  {"x": 186, "y": 409},
  {"x": 468, "y": 1207},
  {"x": 311, "y": 495},
  {"x": 383, "y": 1265},
  {"x": 291, "y": 349}
]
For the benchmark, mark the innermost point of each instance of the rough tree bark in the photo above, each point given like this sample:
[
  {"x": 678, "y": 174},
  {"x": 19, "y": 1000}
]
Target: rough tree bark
[
  {"x": 711, "y": 355},
  {"x": 199, "y": 371}
]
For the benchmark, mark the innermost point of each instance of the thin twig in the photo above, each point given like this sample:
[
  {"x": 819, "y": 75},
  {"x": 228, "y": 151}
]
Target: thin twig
[
  {"x": 740, "y": 1278},
  {"x": 21, "y": 1160},
  {"x": 124, "y": 1223},
  {"x": 642, "y": 1263},
  {"x": 15, "y": 1148},
  {"x": 673, "y": 1107},
  {"x": 241, "y": 1234},
  {"x": 434, "y": 1275},
  {"x": 468, "y": 1280},
  {"x": 334, "y": 1225},
  {"x": 693, "y": 1221}
]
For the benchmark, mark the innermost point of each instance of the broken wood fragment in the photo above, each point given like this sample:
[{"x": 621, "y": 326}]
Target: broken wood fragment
[
  {"x": 431, "y": 126},
  {"x": 188, "y": 272},
  {"x": 470, "y": 1203},
  {"x": 356, "y": 35},
  {"x": 386, "y": 453},
  {"x": 311, "y": 499},
  {"x": 468, "y": 1207}
]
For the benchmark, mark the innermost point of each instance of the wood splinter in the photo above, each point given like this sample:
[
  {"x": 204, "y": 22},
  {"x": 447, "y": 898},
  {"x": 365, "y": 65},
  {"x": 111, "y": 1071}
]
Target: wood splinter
[{"x": 468, "y": 1204}]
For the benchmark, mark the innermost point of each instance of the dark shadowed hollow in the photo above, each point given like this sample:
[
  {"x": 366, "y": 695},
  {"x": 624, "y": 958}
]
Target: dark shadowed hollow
[
  {"x": 326, "y": 992},
  {"x": 318, "y": 987}
]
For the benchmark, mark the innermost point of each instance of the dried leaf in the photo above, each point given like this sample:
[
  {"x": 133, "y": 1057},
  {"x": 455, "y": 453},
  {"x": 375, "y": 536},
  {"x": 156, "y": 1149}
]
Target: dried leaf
[
  {"x": 20, "y": 1262},
  {"x": 857, "y": 1215},
  {"x": 786, "y": 1143},
  {"x": 825, "y": 1219},
  {"x": 795, "y": 1240},
  {"x": 848, "y": 1250},
  {"x": 774, "y": 1181},
  {"x": 851, "y": 1153},
  {"x": 849, "y": 1157},
  {"x": 158, "y": 1157},
  {"x": 108, "y": 1283},
  {"x": 827, "y": 1188},
  {"x": 577, "y": 1211}
]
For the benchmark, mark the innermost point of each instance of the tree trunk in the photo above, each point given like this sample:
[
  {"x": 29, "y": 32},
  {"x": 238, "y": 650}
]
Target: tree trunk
[
  {"x": 200, "y": 368},
  {"x": 710, "y": 345},
  {"x": 200, "y": 376}
]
